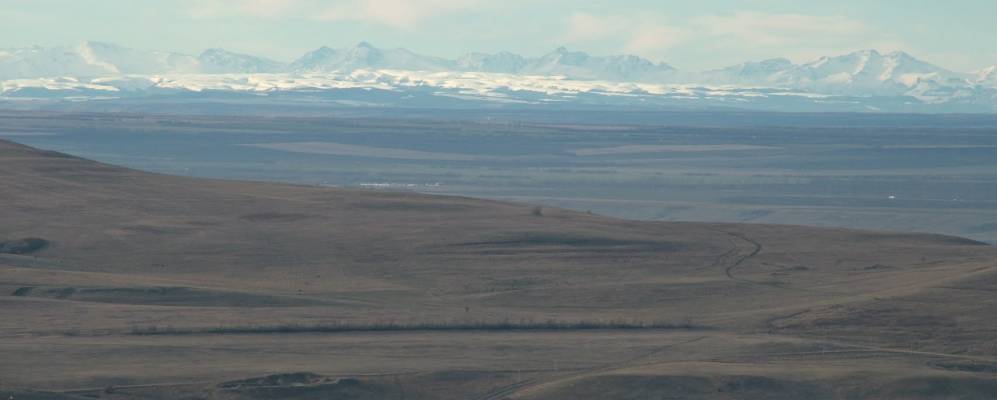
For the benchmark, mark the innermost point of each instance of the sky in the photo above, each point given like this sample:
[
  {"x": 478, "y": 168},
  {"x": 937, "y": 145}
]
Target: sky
[{"x": 692, "y": 35}]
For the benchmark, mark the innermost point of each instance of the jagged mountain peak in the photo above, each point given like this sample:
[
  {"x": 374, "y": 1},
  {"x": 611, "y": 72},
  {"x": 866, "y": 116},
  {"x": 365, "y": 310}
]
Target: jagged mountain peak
[
  {"x": 217, "y": 60},
  {"x": 860, "y": 73},
  {"x": 501, "y": 62},
  {"x": 987, "y": 76},
  {"x": 96, "y": 44},
  {"x": 581, "y": 65},
  {"x": 215, "y": 51},
  {"x": 768, "y": 65},
  {"x": 367, "y": 56},
  {"x": 778, "y": 61},
  {"x": 866, "y": 71},
  {"x": 564, "y": 55},
  {"x": 899, "y": 54},
  {"x": 870, "y": 57}
]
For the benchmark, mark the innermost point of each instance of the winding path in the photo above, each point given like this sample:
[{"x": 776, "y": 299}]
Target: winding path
[
  {"x": 729, "y": 271},
  {"x": 507, "y": 390}
]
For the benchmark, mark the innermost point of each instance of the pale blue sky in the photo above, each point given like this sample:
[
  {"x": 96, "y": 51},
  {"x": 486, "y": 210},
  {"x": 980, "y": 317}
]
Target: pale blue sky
[{"x": 958, "y": 34}]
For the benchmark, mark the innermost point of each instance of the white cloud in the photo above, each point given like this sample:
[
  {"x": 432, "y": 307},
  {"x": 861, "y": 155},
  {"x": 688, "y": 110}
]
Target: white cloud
[
  {"x": 404, "y": 14},
  {"x": 655, "y": 38},
  {"x": 799, "y": 37},
  {"x": 762, "y": 29},
  {"x": 585, "y": 27},
  {"x": 640, "y": 34},
  {"x": 255, "y": 8},
  {"x": 736, "y": 36},
  {"x": 268, "y": 8},
  {"x": 956, "y": 60}
]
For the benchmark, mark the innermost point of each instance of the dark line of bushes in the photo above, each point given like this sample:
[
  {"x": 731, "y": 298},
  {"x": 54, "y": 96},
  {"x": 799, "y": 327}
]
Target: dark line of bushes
[{"x": 503, "y": 325}]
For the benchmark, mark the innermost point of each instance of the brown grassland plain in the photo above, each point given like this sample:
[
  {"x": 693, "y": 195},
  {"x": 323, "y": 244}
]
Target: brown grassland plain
[{"x": 146, "y": 286}]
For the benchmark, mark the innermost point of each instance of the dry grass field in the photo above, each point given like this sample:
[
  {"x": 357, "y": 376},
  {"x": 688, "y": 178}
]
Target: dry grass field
[{"x": 120, "y": 284}]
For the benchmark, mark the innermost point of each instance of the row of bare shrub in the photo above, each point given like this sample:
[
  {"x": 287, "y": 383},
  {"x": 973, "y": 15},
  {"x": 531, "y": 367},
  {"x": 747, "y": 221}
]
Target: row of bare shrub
[{"x": 484, "y": 325}]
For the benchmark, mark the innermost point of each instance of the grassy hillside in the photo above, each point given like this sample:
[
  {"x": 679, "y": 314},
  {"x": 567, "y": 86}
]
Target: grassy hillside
[{"x": 128, "y": 284}]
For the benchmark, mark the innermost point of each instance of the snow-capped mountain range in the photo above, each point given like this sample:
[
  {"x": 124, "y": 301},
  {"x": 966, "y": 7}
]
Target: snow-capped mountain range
[
  {"x": 864, "y": 72},
  {"x": 865, "y": 80}
]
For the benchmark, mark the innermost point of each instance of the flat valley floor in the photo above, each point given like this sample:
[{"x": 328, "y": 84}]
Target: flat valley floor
[{"x": 906, "y": 173}]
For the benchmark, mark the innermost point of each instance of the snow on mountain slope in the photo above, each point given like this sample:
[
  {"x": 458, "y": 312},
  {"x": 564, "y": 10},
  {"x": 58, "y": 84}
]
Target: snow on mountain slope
[
  {"x": 414, "y": 88},
  {"x": 366, "y": 56},
  {"x": 931, "y": 91},
  {"x": 862, "y": 73},
  {"x": 478, "y": 85},
  {"x": 561, "y": 62},
  {"x": 867, "y": 72},
  {"x": 224, "y": 61},
  {"x": 750, "y": 73},
  {"x": 91, "y": 59},
  {"x": 131, "y": 61},
  {"x": 986, "y": 76},
  {"x": 52, "y": 87},
  {"x": 31, "y": 62},
  {"x": 501, "y": 62},
  {"x": 863, "y": 80},
  {"x": 580, "y": 65}
]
